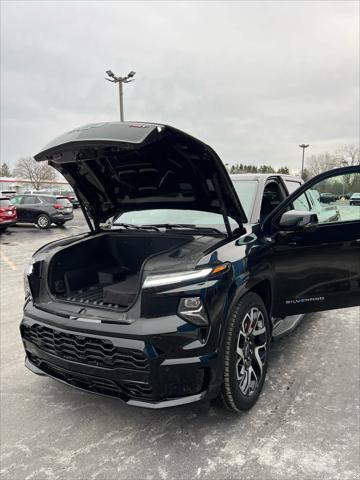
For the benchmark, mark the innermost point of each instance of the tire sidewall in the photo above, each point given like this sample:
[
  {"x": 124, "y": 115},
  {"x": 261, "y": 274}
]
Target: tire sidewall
[{"x": 231, "y": 393}]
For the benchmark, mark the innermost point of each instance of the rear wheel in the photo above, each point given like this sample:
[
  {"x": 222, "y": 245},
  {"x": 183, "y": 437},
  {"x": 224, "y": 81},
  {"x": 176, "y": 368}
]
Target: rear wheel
[
  {"x": 246, "y": 353},
  {"x": 43, "y": 221},
  {"x": 60, "y": 224}
]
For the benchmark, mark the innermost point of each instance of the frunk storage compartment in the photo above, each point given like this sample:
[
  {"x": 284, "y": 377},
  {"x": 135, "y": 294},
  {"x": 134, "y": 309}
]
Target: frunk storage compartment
[{"x": 105, "y": 270}]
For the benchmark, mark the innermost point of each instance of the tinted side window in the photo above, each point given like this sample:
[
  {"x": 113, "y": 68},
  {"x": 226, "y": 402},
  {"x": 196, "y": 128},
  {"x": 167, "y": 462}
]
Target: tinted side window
[
  {"x": 31, "y": 200},
  {"x": 50, "y": 200},
  {"x": 273, "y": 195}
]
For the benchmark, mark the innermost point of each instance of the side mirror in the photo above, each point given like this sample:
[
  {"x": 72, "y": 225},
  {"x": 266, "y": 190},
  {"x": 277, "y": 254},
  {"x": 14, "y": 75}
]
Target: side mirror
[{"x": 298, "y": 221}]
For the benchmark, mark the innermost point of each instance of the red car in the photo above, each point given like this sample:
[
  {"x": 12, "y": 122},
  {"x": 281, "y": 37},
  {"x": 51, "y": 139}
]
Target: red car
[{"x": 8, "y": 216}]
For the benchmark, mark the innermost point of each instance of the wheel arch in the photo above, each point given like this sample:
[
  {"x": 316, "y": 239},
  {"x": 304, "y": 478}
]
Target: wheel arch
[
  {"x": 260, "y": 286},
  {"x": 263, "y": 289}
]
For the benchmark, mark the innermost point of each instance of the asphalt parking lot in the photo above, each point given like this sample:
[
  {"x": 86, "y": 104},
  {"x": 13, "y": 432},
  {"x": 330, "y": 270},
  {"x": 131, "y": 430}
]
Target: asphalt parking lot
[{"x": 304, "y": 426}]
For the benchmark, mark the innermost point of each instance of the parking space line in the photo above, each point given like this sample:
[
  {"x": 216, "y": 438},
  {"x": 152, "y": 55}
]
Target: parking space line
[{"x": 7, "y": 260}]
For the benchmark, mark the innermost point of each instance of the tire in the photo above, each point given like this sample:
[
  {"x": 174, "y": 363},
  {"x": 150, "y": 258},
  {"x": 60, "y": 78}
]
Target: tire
[
  {"x": 246, "y": 354},
  {"x": 60, "y": 224},
  {"x": 43, "y": 221}
]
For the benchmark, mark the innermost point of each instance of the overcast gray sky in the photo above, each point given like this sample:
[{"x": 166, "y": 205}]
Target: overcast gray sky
[{"x": 252, "y": 79}]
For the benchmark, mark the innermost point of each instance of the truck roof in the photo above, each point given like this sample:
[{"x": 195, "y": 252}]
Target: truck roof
[{"x": 262, "y": 176}]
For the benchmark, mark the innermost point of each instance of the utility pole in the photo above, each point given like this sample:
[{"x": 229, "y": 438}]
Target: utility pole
[
  {"x": 120, "y": 80},
  {"x": 303, "y": 146}
]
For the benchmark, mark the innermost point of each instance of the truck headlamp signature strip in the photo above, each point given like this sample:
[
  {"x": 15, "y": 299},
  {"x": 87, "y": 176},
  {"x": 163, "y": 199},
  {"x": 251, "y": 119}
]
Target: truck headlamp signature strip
[
  {"x": 178, "y": 277},
  {"x": 182, "y": 277}
]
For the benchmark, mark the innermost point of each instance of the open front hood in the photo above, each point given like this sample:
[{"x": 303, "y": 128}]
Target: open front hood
[{"x": 118, "y": 167}]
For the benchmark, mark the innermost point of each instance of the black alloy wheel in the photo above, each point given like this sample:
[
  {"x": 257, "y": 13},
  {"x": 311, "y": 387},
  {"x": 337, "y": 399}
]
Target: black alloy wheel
[{"x": 246, "y": 353}]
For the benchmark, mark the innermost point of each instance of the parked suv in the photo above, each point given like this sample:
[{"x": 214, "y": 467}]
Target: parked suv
[
  {"x": 167, "y": 311},
  {"x": 355, "y": 199},
  {"x": 328, "y": 197},
  {"x": 70, "y": 195},
  {"x": 43, "y": 210}
]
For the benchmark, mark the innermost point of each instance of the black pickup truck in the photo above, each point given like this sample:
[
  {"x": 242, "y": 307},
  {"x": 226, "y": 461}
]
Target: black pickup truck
[{"x": 174, "y": 301}]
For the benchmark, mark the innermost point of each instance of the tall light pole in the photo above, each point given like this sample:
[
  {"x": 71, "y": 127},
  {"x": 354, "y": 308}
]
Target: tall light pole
[
  {"x": 120, "y": 80},
  {"x": 303, "y": 146}
]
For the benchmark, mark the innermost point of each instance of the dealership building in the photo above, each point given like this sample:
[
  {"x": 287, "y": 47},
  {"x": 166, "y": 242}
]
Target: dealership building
[{"x": 19, "y": 185}]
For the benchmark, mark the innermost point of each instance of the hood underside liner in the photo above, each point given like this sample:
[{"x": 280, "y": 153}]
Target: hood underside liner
[{"x": 164, "y": 168}]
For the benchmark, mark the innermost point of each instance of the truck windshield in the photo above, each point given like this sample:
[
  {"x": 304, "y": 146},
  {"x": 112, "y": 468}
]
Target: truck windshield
[
  {"x": 245, "y": 189},
  {"x": 170, "y": 216}
]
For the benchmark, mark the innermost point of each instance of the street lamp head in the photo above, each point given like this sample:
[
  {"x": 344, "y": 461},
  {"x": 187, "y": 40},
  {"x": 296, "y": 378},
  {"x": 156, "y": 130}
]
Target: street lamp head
[
  {"x": 303, "y": 145},
  {"x": 131, "y": 74},
  {"x": 110, "y": 73}
]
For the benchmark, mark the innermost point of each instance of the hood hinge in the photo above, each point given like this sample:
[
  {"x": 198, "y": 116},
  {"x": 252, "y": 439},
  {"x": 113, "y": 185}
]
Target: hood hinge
[{"x": 223, "y": 209}]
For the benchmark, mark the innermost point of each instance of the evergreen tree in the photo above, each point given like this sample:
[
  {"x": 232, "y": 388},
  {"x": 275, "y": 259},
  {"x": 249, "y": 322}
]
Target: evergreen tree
[
  {"x": 5, "y": 170},
  {"x": 284, "y": 170}
]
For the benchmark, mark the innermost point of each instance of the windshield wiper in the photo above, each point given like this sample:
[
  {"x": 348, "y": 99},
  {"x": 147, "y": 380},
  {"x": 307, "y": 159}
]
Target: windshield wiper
[
  {"x": 167, "y": 226},
  {"x": 187, "y": 226},
  {"x": 130, "y": 226}
]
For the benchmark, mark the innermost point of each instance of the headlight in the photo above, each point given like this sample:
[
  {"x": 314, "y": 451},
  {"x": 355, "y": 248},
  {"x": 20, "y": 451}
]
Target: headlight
[
  {"x": 179, "y": 277},
  {"x": 184, "y": 277},
  {"x": 27, "y": 272}
]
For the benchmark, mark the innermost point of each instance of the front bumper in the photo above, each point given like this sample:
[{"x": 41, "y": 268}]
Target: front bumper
[
  {"x": 7, "y": 223},
  {"x": 131, "y": 368},
  {"x": 136, "y": 403}
]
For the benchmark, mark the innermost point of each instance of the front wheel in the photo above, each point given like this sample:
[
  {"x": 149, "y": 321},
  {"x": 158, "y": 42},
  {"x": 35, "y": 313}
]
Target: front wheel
[
  {"x": 246, "y": 346},
  {"x": 43, "y": 221}
]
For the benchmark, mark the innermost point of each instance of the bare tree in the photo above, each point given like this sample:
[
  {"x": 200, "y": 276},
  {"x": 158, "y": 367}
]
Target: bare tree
[
  {"x": 37, "y": 172},
  {"x": 347, "y": 155},
  {"x": 316, "y": 164}
]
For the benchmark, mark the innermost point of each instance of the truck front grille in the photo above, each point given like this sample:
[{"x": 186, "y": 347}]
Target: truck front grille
[
  {"x": 103, "y": 386},
  {"x": 90, "y": 350}
]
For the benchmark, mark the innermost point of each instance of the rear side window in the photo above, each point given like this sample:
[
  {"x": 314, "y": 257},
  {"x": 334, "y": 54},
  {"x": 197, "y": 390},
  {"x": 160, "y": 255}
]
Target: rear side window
[
  {"x": 50, "y": 200},
  {"x": 291, "y": 185},
  {"x": 30, "y": 200},
  {"x": 4, "y": 202},
  {"x": 63, "y": 201}
]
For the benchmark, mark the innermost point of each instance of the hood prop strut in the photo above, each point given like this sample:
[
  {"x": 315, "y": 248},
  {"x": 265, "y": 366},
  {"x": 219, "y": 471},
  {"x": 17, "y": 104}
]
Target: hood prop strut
[
  {"x": 223, "y": 209},
  {"x": 85, "y": 213}
]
